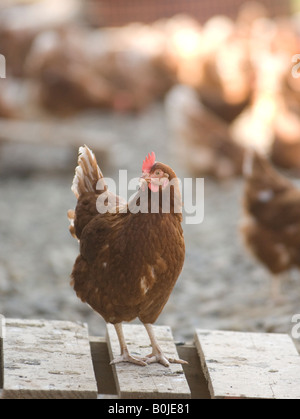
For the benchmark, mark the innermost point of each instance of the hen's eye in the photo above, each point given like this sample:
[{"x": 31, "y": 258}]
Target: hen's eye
[{"x": 157, "y": 172}]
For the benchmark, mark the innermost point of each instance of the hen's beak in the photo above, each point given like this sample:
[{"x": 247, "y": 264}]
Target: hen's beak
[
  {"x": 146, "y": 177},
  {"x": 145, "y": 181}
]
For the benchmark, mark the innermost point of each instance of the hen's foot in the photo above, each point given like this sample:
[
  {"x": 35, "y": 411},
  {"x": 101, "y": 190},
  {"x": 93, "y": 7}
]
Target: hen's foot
[
  {"x": 126, "y": 357},
  {"x": 160, "y": 358}
]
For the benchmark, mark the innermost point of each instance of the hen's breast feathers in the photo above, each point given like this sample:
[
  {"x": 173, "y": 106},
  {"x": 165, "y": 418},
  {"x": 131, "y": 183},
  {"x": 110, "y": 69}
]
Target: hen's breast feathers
[{"x": 133, "y": 260}]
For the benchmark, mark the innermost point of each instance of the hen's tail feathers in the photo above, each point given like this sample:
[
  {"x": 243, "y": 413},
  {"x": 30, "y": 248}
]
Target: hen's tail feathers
[{"x": 87, "y": 174}]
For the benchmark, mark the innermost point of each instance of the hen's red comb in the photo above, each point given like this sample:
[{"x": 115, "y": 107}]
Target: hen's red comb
[{"x": 148, "y": 162}]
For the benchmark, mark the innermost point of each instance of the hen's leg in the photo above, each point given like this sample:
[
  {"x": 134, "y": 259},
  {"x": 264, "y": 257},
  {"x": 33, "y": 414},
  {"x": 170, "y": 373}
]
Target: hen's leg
[
  {"x": 157, "y": 354},
  {"x": 125, "y": 355},
  {"x": 276, "y": 293}
]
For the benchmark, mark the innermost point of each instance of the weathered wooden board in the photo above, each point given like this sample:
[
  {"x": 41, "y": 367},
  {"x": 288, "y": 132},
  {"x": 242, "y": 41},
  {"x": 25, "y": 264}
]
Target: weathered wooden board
[
  {"x": 153, "y": 381},
  {"x": 54, "y": 133},
  {"x": 249, "y": 365},
  {"x": 47, "y": 359}
]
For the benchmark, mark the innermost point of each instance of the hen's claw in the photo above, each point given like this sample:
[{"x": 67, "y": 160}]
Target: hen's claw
[
  {"x": 126, "y": 357},
  {"x": 162, "y": 359}
]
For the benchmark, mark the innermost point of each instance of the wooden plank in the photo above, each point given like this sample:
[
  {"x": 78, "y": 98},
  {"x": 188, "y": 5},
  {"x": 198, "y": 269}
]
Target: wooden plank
[
  {"x": 2, "y": 334},
  {"x": 103, "y": 370},
  {"x": 153, "y": 381},
  {"x": 47, "y": 359},
  {"x": 249, "y": 365},
  {"x": 54, "y": 133}
]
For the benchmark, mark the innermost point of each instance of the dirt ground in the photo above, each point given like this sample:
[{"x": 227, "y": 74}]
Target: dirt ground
[{"x": 221, "y": 286}]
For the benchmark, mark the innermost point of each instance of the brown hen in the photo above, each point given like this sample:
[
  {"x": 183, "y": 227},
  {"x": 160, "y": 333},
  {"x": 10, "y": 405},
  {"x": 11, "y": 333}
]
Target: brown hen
[
  {"x": 131, "y": 254},
  {"x": 271, "y": 227}
]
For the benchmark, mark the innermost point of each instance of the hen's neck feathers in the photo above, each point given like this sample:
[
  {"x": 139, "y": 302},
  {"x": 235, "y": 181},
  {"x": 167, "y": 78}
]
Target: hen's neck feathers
[{"x": 166, "y": 201}]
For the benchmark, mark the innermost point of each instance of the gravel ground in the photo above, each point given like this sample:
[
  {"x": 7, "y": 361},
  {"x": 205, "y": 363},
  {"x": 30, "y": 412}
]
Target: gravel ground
[{"x": 221, "y": 287}]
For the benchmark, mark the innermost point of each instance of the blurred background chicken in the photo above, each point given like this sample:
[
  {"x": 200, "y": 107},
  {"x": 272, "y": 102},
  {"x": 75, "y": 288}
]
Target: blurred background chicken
[
  {"x": 203, "y": 138},
  {"x": 240, "y": 68},
  {"x": 271, "y": 225},
  {"x": 78, "y": 69},
  {"x": 22, "y": 21},
  {"x": 285, "y": 150}
]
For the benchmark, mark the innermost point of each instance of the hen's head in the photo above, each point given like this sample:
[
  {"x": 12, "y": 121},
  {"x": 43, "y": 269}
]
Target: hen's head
[{"x": 156, "y": 174}]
